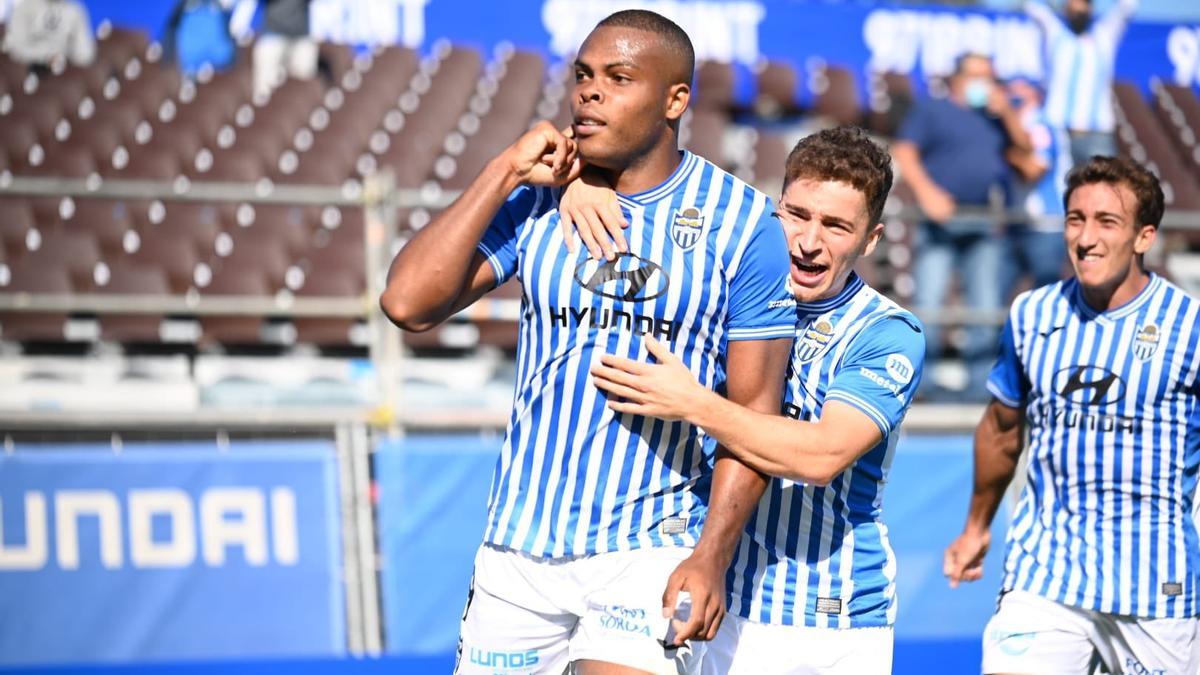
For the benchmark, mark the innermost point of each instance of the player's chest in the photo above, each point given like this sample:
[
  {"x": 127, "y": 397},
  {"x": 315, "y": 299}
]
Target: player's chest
[
  {"x": 667, "y": 269},
  {"x": 1130, "y": 366}
]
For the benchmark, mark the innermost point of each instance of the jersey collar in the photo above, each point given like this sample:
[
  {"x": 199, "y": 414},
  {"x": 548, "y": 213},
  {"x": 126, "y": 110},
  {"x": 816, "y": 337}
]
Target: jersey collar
[
  {"x": 853, "y": 284},
  {"x": 686, "y": 164},
  {"x": 1124, "y": 310}
]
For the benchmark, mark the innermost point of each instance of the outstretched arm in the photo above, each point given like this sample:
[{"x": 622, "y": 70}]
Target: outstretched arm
[{"x": 440, "y": 270}]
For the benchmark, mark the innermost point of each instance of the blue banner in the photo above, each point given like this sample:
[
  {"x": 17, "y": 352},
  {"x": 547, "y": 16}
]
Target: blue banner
[
  {"x": 432, "y": 506},
  {"x": 170, "y": 552},
  {"x": 862, "y": 36}
]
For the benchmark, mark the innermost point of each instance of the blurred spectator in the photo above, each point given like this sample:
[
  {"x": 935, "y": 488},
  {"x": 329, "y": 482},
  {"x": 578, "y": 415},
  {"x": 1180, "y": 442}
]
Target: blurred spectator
[
  {"x": 42, "y": 31},
  {"x": 284, "y": 48},
  {"x": 197, "y": 35},
  {"x": 952, "y": 153},
  {"x": 1039, "y": 179},
  {"x": 1080, "y": 53}
]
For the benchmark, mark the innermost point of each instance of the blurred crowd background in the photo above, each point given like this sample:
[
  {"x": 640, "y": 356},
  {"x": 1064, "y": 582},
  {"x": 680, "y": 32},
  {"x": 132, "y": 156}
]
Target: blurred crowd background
[{"x": 198, "y": 200}]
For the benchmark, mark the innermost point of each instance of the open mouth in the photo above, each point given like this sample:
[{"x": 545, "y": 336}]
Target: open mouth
[{"x": 807, "y": 273}]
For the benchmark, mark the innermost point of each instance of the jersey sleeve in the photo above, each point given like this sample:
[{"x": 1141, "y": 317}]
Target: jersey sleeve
[
  {"x": 881, "y": 370},
  {"x": 499, "y": 242},
  {"x": 761, "y": 305},
  {"x": 1007, "y": 381}
]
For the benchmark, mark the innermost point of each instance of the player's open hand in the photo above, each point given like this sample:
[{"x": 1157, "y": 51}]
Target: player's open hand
[
  {"x": 703, "y": 577},
  {"x": 590, "y": 206},
  {"x": 964, "y": 558},
  {"x": 543, "y": 156},
  {"x": 666, "y": 390}
]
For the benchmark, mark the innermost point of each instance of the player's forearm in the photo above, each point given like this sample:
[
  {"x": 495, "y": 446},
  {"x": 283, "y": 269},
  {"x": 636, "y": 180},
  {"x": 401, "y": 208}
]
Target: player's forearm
[
  {"x": 770, "y": 443},
  {"x": 997, "y": 452},
  {"x": 428, "y": 275},
  {"x": 736, "y": 490},
  {"x": 757, "y": 370}
]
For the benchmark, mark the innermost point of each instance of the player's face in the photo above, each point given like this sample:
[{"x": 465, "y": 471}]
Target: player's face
[
  {"x": 828, "y": 229},
  {"x": 1103, "y": 236},
  {"x": 623, "y": 102}
]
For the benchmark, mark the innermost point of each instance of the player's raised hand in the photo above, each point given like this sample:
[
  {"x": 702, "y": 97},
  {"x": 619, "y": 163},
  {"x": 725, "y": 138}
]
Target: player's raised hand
[
  {"x": 964, "y": 557},
  {"x": 543, "y": 156},
  {"x": 590, "y": 206},
  {"x": 703, "y": 578},
  {"x": 666, "y": 390}
]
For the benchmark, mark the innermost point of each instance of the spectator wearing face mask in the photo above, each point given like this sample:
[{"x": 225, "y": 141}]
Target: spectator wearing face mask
[
  {"x": 951, "y": 152},
  {"x": 1080, "y": 50}
]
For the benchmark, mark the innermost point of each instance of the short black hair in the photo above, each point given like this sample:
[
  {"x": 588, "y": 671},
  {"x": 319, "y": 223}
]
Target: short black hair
[
  {"x": 676, "y": 41},
  {"x": 1121, "y": 171},
  {"x": 844, "y": 155}
]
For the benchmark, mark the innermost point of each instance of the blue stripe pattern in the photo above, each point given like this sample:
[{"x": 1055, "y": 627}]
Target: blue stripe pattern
[
  {"x": 819, "y": 556},
  {"x": 1104, "y": 522},
  {"x": 708, "y": 265}
]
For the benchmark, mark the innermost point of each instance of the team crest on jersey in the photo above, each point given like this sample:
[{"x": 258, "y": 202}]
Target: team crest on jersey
[
  {"x": 815, "y": 338},
  {"x": 687, "y": 228},
  {"x": 1145, "y": 343}
]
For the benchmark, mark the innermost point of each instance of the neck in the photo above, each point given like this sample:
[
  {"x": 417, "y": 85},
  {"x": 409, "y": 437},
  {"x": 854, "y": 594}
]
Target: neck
[
  {"x": 1106, "y": 298},
  {"x": 647, "y": 169}
]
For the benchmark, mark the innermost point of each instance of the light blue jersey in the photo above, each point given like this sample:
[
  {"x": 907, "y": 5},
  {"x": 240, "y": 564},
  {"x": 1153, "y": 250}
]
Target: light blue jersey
[
  {"x": 1043, "y": 199},
  {"x": 819, "y": 556},
  {"x": 707, "y": 264},
  {"x": 1105, "y": 520},
  {"x": 1079, "y": 68}
]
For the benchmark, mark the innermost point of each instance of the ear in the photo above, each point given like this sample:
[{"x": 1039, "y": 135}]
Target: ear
[
  {"x": 873, "y": 237},
  {"x": 678, "y": 97},
  {"x": 1145, "y": 239}
]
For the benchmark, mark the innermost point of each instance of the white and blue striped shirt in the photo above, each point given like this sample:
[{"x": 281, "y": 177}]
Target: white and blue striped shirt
[
  {"x": 819, "y": 556},
  {"x": 1079, "y": 68},
  {"x": 1105, "y": 519},
  {"x": 708, "y": 264},
  {"x": 1043, "y": 199}
]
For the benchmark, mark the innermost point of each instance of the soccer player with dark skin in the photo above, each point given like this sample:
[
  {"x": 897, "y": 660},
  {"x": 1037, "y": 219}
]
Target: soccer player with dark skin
[{"x": 632, "y": 88}]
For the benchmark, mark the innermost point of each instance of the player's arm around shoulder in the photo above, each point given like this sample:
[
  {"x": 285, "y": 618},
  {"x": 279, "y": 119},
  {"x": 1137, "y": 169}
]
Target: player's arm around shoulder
[{"x": 470, "y": 246}]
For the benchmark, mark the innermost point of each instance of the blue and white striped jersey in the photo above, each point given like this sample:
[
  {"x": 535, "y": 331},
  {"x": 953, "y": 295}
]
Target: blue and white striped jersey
[
  {"x": 819, "y": 556},
  {"x": 1079, "y": 68},
  {"x": 1043, "y": 200},
  {"x": 707, "y": 264},
  {"x": 1104, "y": 522}
]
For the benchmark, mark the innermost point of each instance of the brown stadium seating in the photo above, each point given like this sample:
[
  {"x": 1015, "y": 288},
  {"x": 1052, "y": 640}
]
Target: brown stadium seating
[
  {"x": 714, "y": 85},
  {"x": 770, "y": 154},
  {"x": 196, "y": 222},
  {"x": 175, "y": 255},
  {"x": 108, "y": 220},
  {"x": 66, "y": 160},
  {"x": 233, "y": 280},
  {"x": 32, "y": 275},
  {"x": 289, "y": 225},
  {"x": 16, "y": 219},
  {"x": 148, "y": 163},
  {"x": 706, "y": 133},
  {"x": 258, "y": 250},
  {"x": 336, "y": 58},
  {"x": 1179, "y": 184},
  {"x": 327, "y": 283},
  {"x": 839, "y": 101},
  {"x": 119, "y": 46},
  {"x": 134, "y": 279},
  {"x": 777, "y": 87},
  {"x": 76, "y": 251}
]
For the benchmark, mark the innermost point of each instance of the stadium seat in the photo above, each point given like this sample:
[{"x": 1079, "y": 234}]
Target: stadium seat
[
  {"x": 133, "y": 279},
  {"x": 705, "y": 135},
  {"x": 16, "y": 219},
  {"x": 777, "y": 89},
  {"x": 108, "y": 220},
  {"x": 32, "y": 275},
  {"x": 333, "y": 331},
  {"x": 235, "y": 330},
  {"x": 76, "y": 251},
  {"x": 770, "y": 154},
  {"x": 837, "y": 96},
  {"x": 714, "y": 85},
  {"x": 66, "y": 160},
  {"x": 175, "y": 255}
]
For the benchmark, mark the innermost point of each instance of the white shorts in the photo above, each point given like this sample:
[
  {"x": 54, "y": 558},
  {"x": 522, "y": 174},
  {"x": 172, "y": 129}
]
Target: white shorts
[
  {"x": 743, "y": 647},
  {"x": 537, "y": 615},
  {"x": 1030, "y": 634}
]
